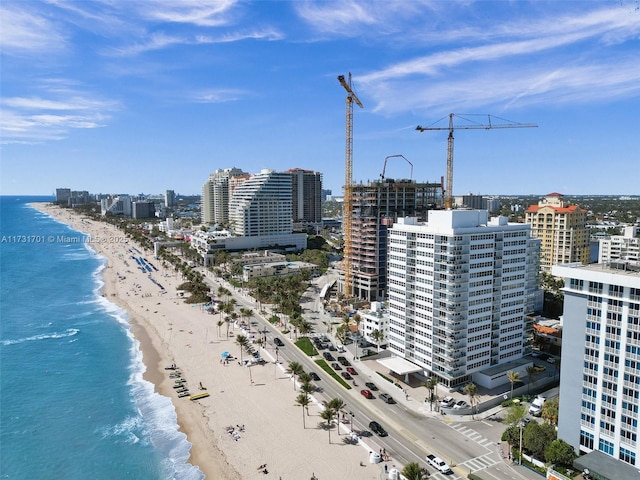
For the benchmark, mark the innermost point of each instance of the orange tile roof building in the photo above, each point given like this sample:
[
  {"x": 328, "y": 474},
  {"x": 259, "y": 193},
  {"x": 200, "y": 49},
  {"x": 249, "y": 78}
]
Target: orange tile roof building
[{"x": 562, "y": 230}]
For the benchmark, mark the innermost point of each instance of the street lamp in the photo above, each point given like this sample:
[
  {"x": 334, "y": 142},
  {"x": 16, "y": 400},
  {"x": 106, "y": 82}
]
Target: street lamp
[{"x": 520, "y": 459}]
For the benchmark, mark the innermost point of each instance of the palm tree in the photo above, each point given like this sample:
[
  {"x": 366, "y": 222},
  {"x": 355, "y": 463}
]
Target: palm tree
[
  {"x": 328, "y": 414},
  {"x": 295, "y": 369},
  {"x": 378, "y": 336},
  {"x": 413, "y": 471},
  {"x": 531, "y": 372},
  {"x": 471, "y": 389},
  {"x": 219, "y": 323},
  {"x": 337, "y": 404},
  {"x": 242, "y": 341},
  {"x": 303, "y": 400},
  {"x": 513, "y": 378},
  {"x": 431, "y": 384}
]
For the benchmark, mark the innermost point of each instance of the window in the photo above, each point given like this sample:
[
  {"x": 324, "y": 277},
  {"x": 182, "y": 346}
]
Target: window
[
  {"x": 586, "y": 439},
  {"x": 627, "y": 456},
  {"x": 606, "y": 447}
]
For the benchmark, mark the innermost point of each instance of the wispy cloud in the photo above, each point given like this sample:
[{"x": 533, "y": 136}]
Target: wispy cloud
[
  {"x": 351, "y": 18},
  {"x": 37, "y": 119},
  {"x": 24, "y": 32},
  {"x": 220, "y": 95},
  {"x": 203, "y": 13},
  {"x": 540, "y": 63}
]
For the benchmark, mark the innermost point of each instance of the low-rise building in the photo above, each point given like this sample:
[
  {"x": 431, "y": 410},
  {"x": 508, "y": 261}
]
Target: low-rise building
[{"x": 277, "y": 269}]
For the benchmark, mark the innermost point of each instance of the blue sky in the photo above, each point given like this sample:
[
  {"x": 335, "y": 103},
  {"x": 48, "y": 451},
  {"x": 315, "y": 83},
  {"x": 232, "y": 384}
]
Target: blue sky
[{"x": 143, "y": 96}]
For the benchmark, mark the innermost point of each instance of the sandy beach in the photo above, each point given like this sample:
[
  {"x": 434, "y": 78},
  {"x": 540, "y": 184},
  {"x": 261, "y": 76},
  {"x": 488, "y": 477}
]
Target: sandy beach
[{"x": 258, "y": 403}]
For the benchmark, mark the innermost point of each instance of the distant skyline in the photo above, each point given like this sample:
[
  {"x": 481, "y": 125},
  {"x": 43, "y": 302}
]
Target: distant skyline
[{"x": 144, "y": 96}]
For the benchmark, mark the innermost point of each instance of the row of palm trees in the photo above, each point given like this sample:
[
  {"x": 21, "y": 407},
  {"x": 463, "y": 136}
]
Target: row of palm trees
[{"x": 332, "y": 409}]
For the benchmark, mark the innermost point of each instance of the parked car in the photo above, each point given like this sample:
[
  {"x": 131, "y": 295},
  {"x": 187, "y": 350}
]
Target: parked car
[
  {"x": 328, "y": 357},
  {"x": 377, "y": 429},
  {"x": 352, "y": 370},
  {"x": 460, "y": 404},
  {"x": 344, "y": 361},
  {"x": 447, "y": 402},
  {"x": 371, "y": 386},
  {"x": 278, "y": 342},
  {"x": 314, "y": 376},
  {"x": 336, "y": 366},
  {"x": 346, "y": 375},
  {"x": 366, "y": 393},
  {"x": 385, "y": 397}
]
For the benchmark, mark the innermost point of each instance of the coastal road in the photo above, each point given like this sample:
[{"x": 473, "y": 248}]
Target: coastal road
[{"x": 467, "y": 446}]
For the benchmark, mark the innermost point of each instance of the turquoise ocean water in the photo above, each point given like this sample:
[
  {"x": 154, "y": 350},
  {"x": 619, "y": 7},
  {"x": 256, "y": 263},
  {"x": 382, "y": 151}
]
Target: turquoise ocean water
[{"x": 73, "y": 403}]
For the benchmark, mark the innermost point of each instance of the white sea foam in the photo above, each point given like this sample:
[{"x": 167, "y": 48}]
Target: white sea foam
[
  {"x": 45, "y": 336},
  {"x": 159, "y": 422}
]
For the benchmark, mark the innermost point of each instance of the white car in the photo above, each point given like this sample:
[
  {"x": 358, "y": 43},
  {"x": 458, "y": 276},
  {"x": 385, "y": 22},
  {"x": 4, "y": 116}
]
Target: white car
[
  {"x": 460, "y": 404},
  {"x": 447, "y": 402}
]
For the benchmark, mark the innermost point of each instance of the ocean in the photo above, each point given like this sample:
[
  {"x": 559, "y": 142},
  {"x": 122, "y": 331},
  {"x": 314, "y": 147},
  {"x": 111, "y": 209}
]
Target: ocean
[{"x": 73, "y": 403}]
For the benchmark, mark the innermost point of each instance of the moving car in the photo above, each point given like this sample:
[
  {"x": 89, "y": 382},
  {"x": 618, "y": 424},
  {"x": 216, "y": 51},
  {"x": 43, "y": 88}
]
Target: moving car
[
  {"x": 346, "y": 375},
  {"x": 366, "y": 393},
  {"x": 371, "y": 386},
  {"x": 377, "y": 429},
  {"x": 447, "y": 402},
  {"x": 439, "y": 464},
  {"x": 385, "y": 397},
  {"x": 352, "y": 370},
  {"x": 278, "y": 342},
  {"x": 314, "y": 376}
]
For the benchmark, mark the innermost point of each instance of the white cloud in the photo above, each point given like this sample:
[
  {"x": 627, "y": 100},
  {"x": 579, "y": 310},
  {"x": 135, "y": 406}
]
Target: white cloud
[
  {"x": 36, "y": 119},
  {"x": 203, "y": 13},
  {"x": 22, "y": 31},
  {"x": 220, "y": 95}
]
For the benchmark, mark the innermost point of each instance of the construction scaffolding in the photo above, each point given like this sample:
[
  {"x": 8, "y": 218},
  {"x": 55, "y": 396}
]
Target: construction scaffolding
[{"x": 375, "y": 206}]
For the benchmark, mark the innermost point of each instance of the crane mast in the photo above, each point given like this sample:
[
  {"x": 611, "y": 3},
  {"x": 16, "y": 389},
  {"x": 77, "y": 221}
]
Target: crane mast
[
  {"x": 448, "y": 198},
  {"x": 348, "y": 183}
]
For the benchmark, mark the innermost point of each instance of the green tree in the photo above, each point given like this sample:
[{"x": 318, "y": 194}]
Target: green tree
[
  {"x": 295, "y": 369},
  {"x": 413, "y": 471},
  {"x": 536, "y": 438},
  {"x": 328, "y": 414},
  {"x": 430, "y": 385},
  {"x": 513, "y": 377},
  {"x": 378, "y": 336},
  {"x": 531, "y": 373},
  {"x": 550, "y": 411},
  {"x": 303, "y": 400},
  {"x": 560, "y": 452},
  {"x": 515, "y": 415},
  {"x": 471, "y": 389},
  {"x": 242, "y": 341},
  {"x": 336, "y": 404}
]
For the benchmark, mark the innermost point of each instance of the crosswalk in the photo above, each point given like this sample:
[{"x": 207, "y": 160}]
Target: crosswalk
[
  {"x": 472, "y": 465},
  {"x": 471, "y": 434}
]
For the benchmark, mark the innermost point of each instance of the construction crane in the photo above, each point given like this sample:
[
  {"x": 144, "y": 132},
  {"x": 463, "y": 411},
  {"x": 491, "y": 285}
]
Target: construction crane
[
  {"x": 384, "y": 168},
  {"x": 448, "y": 198},
  {"x": 348, "y": 183}
]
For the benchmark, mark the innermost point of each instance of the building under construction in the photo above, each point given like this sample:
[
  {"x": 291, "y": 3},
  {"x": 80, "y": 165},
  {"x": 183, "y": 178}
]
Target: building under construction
[{"x": 375, "y": 207}]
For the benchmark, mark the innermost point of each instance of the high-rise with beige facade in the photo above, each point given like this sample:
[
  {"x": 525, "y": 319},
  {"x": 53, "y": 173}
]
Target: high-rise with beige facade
[{"x": 561, "y": 227}]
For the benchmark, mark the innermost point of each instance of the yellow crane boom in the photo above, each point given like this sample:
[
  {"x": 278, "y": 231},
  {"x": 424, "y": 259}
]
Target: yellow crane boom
[
  {"x": 348, "y": 182},
  {"x": 448, "y": 198}
]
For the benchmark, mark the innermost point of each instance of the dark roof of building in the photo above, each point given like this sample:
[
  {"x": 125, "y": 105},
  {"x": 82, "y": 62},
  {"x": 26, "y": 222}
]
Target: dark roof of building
[{"x": 604, "y": 467}]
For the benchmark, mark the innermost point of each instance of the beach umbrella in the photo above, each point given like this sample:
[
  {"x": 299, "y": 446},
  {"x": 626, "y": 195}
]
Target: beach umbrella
[{"x": 224, "y": 354}]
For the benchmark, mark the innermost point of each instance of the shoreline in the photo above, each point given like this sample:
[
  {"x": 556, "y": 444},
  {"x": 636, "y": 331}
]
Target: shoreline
[
  {"x": 260, "y": 399},
  {"x": 211, "y": 462}
]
